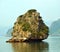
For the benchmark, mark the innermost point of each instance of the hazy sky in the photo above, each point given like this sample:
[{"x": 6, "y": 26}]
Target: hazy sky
[{"x": 11, "y": 9}]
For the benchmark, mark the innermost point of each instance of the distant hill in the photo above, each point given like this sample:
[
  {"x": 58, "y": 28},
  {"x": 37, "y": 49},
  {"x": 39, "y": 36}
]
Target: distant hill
[
  {"x": 3, "y": 31},
  {"x": 9, "y": 32},
  {"x": 55, "y": 28}
]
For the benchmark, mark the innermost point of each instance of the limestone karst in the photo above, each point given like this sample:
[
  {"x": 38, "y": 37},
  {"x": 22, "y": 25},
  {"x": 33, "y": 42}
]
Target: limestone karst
[{"x": 30, "y": 26}]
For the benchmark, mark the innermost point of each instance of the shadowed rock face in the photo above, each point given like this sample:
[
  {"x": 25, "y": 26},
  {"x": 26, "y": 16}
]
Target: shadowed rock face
[{"x": 30, "y": 26}]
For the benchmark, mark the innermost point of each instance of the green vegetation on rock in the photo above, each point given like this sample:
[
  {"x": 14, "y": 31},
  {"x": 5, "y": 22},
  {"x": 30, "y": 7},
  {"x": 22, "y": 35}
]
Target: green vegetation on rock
[{"x": 26, "y": 26}]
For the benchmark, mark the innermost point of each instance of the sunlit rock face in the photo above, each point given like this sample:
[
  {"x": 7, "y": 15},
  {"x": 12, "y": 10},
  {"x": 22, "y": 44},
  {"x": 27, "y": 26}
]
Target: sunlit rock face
[{"x": 30, "y": 26}]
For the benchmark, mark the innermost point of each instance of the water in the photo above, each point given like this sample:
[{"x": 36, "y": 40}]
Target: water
[{"x": 52, "y": 44}]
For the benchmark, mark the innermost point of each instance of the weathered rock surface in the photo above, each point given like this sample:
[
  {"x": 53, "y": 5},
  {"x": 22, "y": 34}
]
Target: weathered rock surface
[{"x": 29, "y": 26}]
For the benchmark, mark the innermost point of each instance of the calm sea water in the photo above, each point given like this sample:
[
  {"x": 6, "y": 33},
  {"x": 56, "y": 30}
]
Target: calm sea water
[{"x": 52, "y": 44}]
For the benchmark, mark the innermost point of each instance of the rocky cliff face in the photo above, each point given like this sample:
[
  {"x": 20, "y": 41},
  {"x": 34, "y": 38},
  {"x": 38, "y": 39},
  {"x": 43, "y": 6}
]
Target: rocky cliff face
[{"x": 30, "y": 26}]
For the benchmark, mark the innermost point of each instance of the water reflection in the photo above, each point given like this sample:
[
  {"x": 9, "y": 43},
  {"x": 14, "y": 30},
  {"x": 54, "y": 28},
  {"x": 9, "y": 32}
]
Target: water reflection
[{"x": 31, "y": 47}]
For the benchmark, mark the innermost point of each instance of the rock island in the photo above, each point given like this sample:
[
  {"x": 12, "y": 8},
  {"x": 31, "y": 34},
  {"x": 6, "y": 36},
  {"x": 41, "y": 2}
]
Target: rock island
[{"x": 29, "y": 27}]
